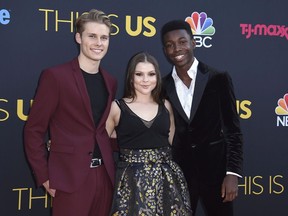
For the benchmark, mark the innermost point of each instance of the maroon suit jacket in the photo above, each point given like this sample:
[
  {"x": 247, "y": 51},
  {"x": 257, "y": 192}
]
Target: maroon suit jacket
[{"x": 62, "y": 107}]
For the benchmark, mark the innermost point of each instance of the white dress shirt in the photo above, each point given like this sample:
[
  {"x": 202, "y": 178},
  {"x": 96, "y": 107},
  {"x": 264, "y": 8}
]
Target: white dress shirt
[{"x": 184, "y": 93}]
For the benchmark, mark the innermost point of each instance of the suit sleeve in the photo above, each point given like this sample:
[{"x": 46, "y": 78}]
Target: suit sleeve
[
  {"x": 231, "y": 126},
  {"x": 36, "y": 128}
]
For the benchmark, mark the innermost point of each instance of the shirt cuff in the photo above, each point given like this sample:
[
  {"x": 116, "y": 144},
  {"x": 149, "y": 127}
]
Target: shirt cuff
[{"x": 232, "y": 173}]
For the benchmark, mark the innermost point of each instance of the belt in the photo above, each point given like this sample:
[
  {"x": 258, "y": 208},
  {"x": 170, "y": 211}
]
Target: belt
[{"x": 96, "y": 162}]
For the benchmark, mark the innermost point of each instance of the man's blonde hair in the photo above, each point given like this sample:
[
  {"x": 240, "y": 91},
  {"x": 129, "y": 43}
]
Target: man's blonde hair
[{"x": 92, "y": 16}]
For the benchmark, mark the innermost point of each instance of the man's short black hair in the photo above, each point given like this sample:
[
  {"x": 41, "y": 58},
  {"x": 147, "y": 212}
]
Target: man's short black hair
[{"x": 176, "y": 25}]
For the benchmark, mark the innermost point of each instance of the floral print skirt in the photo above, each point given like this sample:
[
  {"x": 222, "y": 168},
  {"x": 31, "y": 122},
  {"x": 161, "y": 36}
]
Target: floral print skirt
[{"x": 148, "y": 183}]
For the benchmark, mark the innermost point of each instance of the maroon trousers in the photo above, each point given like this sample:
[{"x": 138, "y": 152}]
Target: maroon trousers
[{"x": 92, "y": 199}]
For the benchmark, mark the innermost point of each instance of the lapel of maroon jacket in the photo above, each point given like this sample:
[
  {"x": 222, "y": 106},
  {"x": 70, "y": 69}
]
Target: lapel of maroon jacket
[
  {"x": 77, "y": 73},
  {"x": 85, "y": 96},
  {"x": 111, "y": 94}
]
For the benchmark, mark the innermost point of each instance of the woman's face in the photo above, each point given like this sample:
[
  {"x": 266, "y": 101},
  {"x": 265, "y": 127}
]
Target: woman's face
[{"x": 145, "y": 78}]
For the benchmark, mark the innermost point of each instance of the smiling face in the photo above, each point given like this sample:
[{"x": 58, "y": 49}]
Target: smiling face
[
  {"x": 178, "y": 48},
  {"x": 145, "y": 79},
  {"x": 93, "y": 41}
]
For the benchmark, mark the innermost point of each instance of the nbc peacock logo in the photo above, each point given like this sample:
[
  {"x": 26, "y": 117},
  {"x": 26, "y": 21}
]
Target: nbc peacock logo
[
  {"x": 201, "y": 24},
  {"x": 202, "y": 28},
  {"x": 282, "y": 111}
]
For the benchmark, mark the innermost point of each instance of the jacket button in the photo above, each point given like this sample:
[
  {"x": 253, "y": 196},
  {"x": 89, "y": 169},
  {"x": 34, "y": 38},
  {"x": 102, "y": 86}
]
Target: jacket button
[{"x": 90, "y": 153}]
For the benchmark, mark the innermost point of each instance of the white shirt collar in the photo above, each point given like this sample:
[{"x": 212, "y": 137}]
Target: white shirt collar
[{"x": 192, "y": 72}]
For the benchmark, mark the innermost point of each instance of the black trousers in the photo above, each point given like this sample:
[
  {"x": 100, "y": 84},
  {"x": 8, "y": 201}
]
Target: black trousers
[{"x": 210, "y": 198}]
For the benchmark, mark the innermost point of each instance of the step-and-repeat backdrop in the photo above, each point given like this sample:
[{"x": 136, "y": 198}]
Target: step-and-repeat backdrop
[{"x": 247, "y": 38}]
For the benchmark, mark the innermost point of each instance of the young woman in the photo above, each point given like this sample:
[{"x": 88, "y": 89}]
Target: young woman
[{"x": 148, "y": 182}]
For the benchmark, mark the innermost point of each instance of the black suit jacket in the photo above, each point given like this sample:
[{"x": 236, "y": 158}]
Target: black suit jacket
[{"x": 208, "y": 144}]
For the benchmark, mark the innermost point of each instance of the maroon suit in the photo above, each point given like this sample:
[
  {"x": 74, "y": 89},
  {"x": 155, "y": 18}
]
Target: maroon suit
[{"x": 62, "y": 106}]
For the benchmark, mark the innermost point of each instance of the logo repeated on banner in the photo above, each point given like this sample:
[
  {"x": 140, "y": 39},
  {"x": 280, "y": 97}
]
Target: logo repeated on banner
[
  {"x": 6, "y": 113},
  {"x": 264, "y": 30},
  {"x": 282, "y": 111},
  {"x": 30, "y": 198},
  {"x": 4, "y": 17},
  {"x": 22, "y": 106},
  {"x": 34, "y": 197},
  {"x": 55, "y": 20},
  {"x": 243, "y": 109},
  {"x": 259, "y": 185},
  {"x": 202, "y": 28}
]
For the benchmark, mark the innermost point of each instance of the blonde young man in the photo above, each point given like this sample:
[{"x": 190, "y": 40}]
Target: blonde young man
[{"x": 72, "y": 102}]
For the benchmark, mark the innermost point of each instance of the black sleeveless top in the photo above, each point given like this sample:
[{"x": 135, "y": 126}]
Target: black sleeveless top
[{"x": 134, "y": 132}]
